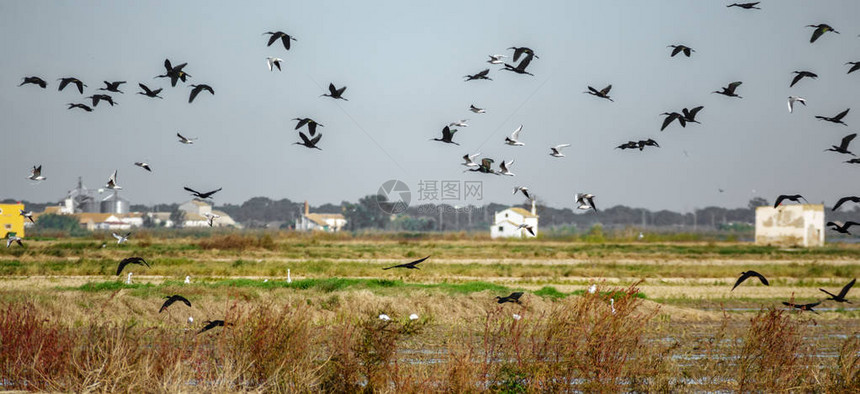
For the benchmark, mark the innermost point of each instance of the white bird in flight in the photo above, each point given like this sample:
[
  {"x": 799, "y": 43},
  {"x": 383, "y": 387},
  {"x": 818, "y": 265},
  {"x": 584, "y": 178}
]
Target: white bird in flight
[
  {"x": 274, "y": 62},
  {"x": 210, "y": 217},
  {"x": 504, "y": 168},
  {"x": 792, "y": 99},
  {"x": 10, "y": 239},
  {"x": 556, "y": 151},
  {"x": 459, "y": 123},
  {"x": 585, "y": 201},
  {"x": 513, "y": 140},
  {"x": 477, "y": 110},
  {"x": 496, "y": 59},
  {"x": 524, "y": 190},
  {"x": 36, "y": 174},
  {"x": 469, "y": 160},
  {"x": 121, "y": 238},
  {"x": 184, "y": 140},
  {"x": 111, "y": 183},
  {"x": 143, "y": 165},
  {"x": 528, "y": 227}
]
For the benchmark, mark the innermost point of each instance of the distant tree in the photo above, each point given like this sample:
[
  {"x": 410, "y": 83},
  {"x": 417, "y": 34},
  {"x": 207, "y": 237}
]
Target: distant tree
[
  {"x": 66, "y": 223},
  {"x": 366, "y": 213},
  {"x": 177, "y": 216},
  {"x": 757, "y": 202}
]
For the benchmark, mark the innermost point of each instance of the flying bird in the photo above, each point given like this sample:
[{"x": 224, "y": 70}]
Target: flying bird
[
  {"x": 41, "y": 82},
  {"x": 628, "y": 145},
  {"x": 210, "y": 218},
  {"x": 469, "y": 160},
  {"x": 171, "y": 299},
  {"x": 749, "y": 274},
  {"x": 853, "y": 161},
  {"x": 36, "y": 174},
  {"x": 174, "y": 73},
  {"x": 130, "y": 260},
  {"x": 459, "y": 123},
  {"x": 528, "y": 227},
  {"x": 843, "y": 146},
  {"x": 841, "y": 296},
  {"x": 149, "y": 92},
  {"x": 273, "y": 62},
  {"x": 496, "y": 59},
  {"x": 841, "y": 228},
  {"x": 210, "y": 324},
  {"x": 519, "y": 51},
  {"x": 411, "y": 265},
  {"x": 820, "y": 29},
  {"x": 729, "y": 91},
  {"x": 312, "y": 124},
  {"x": 843, "y": 200},
  {"x": 480, "y": 75},
  {"x": 476, "y": 110},
  {"x": 524, "y": 190},
  {"x": 672, "y": 116},
  {"x": 855, "y": 67},
  {"x": 275, "y": 35},
  {"x": 112, "y": 86},
  {"x": 81, "y": 106},
  {"x": 199, "y": 88},
  {"x": 513, "y": 297},
  {"x": 485, "y": 167},
  {"x": 800, "y": 75},
  {"x": 649, "y": 142},
  {"x": 514, "y": 139},
  {"x": 184, "y": 140},
  {"x": 10, "y": 239},
  {"x": 202, "y": 196},
  {"x": 835, "y": 119},
  {"x": 585, "y": 201},
  {"x": 335, "y": 93},
  {"x": 447, "y": 136},
  {"x": 143, "y": 165},
  {"x": 680, "y": 48},
  {"x": 792, "y": 100},
  {"x": 791, "y": 197},
  {"x": 120, "y": 238},
  {"x": 27, "y": 214},
  {"x": 310, "y": 143},
  {"x": 504, "y": 168},
  {"x": 690, "y": 115},
  {"x": 111, "y": 183},
  {"x": 520, "y": 68},
  {"x": 604, "y": 93},
  {"x": 803, "y": 307},
  {"x": 72, "y": 80},
  {"x": 746, "y": 6},
  {"x": 101, "y": 97},
  {"x": 555, "y": 151}
]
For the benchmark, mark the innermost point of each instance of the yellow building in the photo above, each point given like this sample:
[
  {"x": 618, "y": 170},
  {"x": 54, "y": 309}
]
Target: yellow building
[{"x": 11, "y": 220}]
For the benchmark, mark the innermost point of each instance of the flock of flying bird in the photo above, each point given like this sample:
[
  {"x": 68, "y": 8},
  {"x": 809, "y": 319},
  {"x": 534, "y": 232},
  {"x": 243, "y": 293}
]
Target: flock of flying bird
[{"x": 312, "y": 137}]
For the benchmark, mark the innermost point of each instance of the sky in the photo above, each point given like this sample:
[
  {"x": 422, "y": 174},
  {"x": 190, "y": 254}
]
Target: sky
[{"x": 403, "y": 64}]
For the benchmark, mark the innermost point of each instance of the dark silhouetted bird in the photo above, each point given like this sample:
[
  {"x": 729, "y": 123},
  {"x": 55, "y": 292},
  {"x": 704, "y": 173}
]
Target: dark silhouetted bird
[
  {"x": 196, "y": 89},
  {"x": 730, "y": 90},
  {"x": 202, "y": 195},
  {"x": 671, "y": 116},
  {"x": 628, "y": 145},
  {"x": 101, "y": 97},
  {"x": 803, "y": 307},
  {"x": 486, "y": 167},
  {"x": 800, "y": 75},
  {"x": 310, "y": 143},
  {"x": 513, "y": 297},
  {"x": 520, "y": 68},
  {"x": 112, "y": 86},
  {"x": 174, "y": 73},
  {"x": 335, "y": 93},
  {"x": 819, "y": 30},
  {"x": 841, "y": 228},
  {"x": 171, "y": 299},
  {"x": 835, "y": 119},
  {"x": 36, "y": 174},
  {"x": 312, "y": 124},
  {"x": 853, "y": 161},
  {"x": 690, "y": 115},
  {"x": 748, "y": 274},
  {"x": 149, "y": 92},
  {"x": 41, "y": 82},
  {"x": 843, "y": 200},
  {"x": 681, "y": 48},
  {"x": 790, "y": 197},
  {"x": 210, "y": 324},
  {"x": 841, "y": 296},
  {"x": 601, "y": 93},
  {"x": 746, "y": 6},
  {"x": 480, "y": 75},
  {"x": 81, "y": 106},
  {"x": 649, "y": 142},
  {"x": 275, "y": 35},
  {"x": 519, "y": 51},
  {"x": 410, "y": 265},
  {"x": 131, "y": 260},
  {"x": 72, "y": 80},
  {"x": 843, "y": 146},
  {"x": 447, "y": 136},
  {"x": 855, "y": 67}
]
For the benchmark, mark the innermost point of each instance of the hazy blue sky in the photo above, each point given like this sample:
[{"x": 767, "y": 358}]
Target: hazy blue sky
[{"x": 403, "y": 63}]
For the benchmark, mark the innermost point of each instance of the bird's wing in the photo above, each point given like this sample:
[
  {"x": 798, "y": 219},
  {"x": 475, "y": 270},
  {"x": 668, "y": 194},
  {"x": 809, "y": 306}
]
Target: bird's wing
[
  {"x": 340, "y": 91},
  {"x": 840, "y": 202},
  {"x": 183, "y": 299},
  {"x": 305, "y": 139},
  {"x": 817, "y": 33},
  {"x": 676, "y": 50},
  {"x": 272, "y": 39},
  {"x": 797, "y": 78},
  {"x": 848, "y": 224},
  {"x": 841, "y": 114},
  {"x": 516, "y": 295},
  {"x": 741, "y": 279},
  {"x": 191, "y": 190},
  {"x": 606, "y": 90},
  {"x": 166, "y": 304},
  {"x": 694, "y": 111},
  {"x": 269, "y": 63},
  {"x": 779, "y": 200},
  {"x": 145, "y": 88},
  {"x": 285, "y": 39},
  {"x": 557, "y": 147},
  {"x": 121, "y": 265},
  {"x": 417, "y": 261},
  {"x": 847, "y": 287},
  {"x": 591, "y": 202},
  {"x": 525, "y": 63},
  {"x": 847, "y": 140},
  {"x": 117, "y": 236},
  {"x": 593, "y": 90},
  {"x": 760, "y": 277},
  {"x": 63, "y": 83},
  {"x": 734, "y": 85},
  {"x": 790, "y": 105},
  {"x": 667, "y": 121},
  {"x": 516, "y": 134},
  {"x": 194, "y": 93},
  {"x": 332, "y": 90},
  {"x": 302, "y": 122},
  {"x": 316, "y": 139},
  {"x": 214, "y": 191}
]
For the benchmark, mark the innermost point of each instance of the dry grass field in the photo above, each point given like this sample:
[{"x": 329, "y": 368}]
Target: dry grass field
[{"x": 70, "y": 324}]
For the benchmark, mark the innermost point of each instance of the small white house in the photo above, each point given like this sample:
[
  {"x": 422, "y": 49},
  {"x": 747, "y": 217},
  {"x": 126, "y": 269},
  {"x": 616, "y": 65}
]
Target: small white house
[
  {"x": 195, "y": 211},
  {"x": 508, "y": 221},
  {"x": 790, "y": 225},
  {"x": 330, "y": 222}
]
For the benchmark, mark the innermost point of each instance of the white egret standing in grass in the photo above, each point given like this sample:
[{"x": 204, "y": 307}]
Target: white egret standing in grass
[
  {"x": 187, "y": 279},
  {"x": 289, "y": 280},
  {"x": 128, "y": 279},
  {"x": 612, "y": 305},
  {"x": 413, "y": 316},
  {"x": 592, "y": 288}
]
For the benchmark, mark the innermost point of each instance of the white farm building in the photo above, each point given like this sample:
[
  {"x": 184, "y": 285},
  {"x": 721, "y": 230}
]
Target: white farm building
[
  {"x": 507, "y": 223},
  {"x": 790, "y": 225}
]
